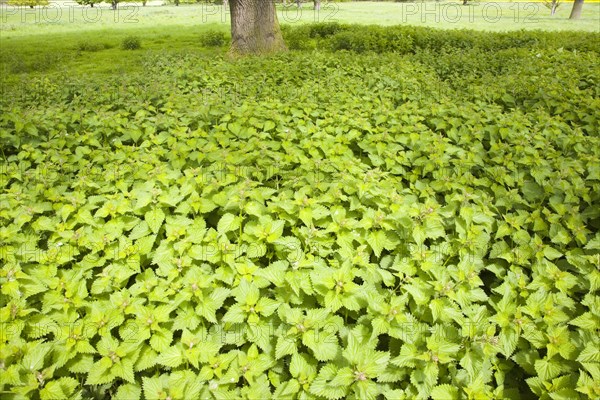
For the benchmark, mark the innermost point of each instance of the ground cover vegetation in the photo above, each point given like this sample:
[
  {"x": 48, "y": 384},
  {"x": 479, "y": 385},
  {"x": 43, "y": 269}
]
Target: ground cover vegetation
[{"x": 378, "y": 213}]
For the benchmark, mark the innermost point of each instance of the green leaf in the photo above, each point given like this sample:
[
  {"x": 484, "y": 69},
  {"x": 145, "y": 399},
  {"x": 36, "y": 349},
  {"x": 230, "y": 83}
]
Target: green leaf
[
  {"x": 128, "y": 392},
  {"x": 508, "y": 341},
  {"x": 235, "y": 314},
  {"x": 366, "y": 390},
  {"x": 34, "y": 359},
  {"x": 548, "y": 369},
  {"x": 59, "y": 389},
  {"x": 227, "y": 223},
  {"x": 155, "y": 219},
  {"x": 99, "y": 374},
  {"x": 275, "y": 230},
  {"x": 323, "y": 344},
  {"x": 153, "y": 388},
  {"x": 285, "y": 346},
  {"x": 551, "y": 253},
  {"x": 171, "y": 357},
  {"x": 377, "y": 240},
  {"x": 444, "y": 392}
]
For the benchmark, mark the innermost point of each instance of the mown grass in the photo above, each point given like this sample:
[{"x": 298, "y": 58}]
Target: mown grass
[{"x": 492, "y": 16}]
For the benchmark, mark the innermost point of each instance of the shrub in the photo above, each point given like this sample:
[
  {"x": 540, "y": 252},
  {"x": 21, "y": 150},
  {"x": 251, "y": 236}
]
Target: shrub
[
  {"x": 403, "y": 39},
  {"x": 298, "y": 38},
  {"x": 214, "y": 38},
  {"x": 324, "y": 29},
  {"x": 376, "y": 39},
  {"x": 28, "y": 3},
  {"x": 131, "y": 43},
  {"x": 92, "y": 47}
]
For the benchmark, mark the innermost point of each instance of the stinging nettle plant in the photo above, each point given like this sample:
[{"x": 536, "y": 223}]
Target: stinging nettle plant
[{"x": 363, "y": 242}]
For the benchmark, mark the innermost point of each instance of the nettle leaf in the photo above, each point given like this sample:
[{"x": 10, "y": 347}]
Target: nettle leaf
[
  {"x": 153, "y": 387},
  {"x": 145, "y": 244},
  {"x": 34, "y": 357},
  {"x": 147, "y": 359},
  {"x": 548, "y": 368},
  {"x": 285, "y": 346},
  {"x": 274, "y": 273},
  {"x": 172, "y": 357},
  {"x": 323, "y": 344},
  {"x": 408, "y": 245},
  {"x": 587, "y": 321},
  {"x": 155, "y": 218},
  {"x": 444, "y": 392},
  {"x": 227, "y": 223},
  {"x": 508, "y": 340},
  {"x": 140, "y": 230},
  {"x": 128, "y": 392},
  {"x": 332, "y": 383},
  {"x": 378, "y": 241},
  {"x": 100, "y": 372},
  {"x": 59, "y": 389}
]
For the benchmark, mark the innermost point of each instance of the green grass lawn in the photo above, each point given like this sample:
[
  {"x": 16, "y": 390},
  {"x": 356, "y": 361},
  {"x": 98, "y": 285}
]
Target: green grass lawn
[{"x": 493, "y": 16}]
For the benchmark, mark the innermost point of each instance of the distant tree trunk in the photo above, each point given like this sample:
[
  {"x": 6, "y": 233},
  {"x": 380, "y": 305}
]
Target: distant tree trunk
[
  {"x": 144, "y": 3},
  {"x": 92, "y": 5},
  {"x": 254, "y": 27},
  {"x": 576, "y": 10},
  {"x": 177, "y": 2},
  {"x": 554, "y": 6},
  {"x": 465, "y": 2},
  {"x": 298, "y": 3},
  {"x": 30, "y": 6},
  {"x": 317, "y": 4}
]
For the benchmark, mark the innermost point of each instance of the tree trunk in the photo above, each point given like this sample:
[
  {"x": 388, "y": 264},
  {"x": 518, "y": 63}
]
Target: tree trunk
[
  {"x": 465, "y": 2},
  {"x": 317, "y": 4},
  {"x": 576, "y": 10},
  {"x": 92, "y": 5},
  {"x": 254, "y": 27},
  {"x": 554, "y": 5},
  {"x": 298, "y": 3}
]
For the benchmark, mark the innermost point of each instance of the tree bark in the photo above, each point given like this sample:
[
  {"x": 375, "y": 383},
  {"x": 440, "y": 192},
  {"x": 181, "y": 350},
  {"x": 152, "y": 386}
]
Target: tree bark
[
  {"x": 254, "y": 27},
  {"x": 576, "y": 10},
  {"x": 317, "y": 4}
]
